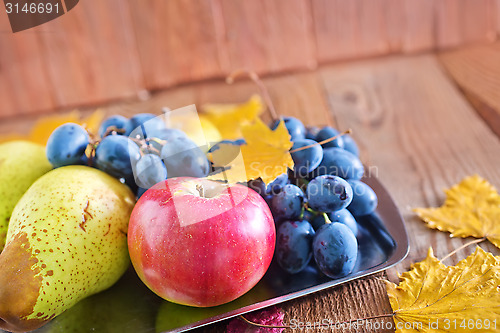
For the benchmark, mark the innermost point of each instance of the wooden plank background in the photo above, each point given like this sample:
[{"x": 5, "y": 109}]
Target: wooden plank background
[
  {"x": 108, "y": 50},
  {"x": 410, "y": 120}
]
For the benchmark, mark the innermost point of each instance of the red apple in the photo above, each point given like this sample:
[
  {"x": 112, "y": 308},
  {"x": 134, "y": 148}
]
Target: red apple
[{"x": 199, "y": 242}]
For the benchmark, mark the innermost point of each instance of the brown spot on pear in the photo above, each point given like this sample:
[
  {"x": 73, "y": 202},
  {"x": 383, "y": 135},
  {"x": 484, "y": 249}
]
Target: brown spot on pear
[
  {"x": 21, "y": 163},
  {"x": 68, "y": 263}
]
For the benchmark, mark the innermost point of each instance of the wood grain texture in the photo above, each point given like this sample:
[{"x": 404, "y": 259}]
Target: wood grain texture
[
  {"x": 476, "y": 70},
  {"x": 267, "y": 36},
  {"x": 448, "y": 23},
  {"x": 352, "y": 29},
  {"x": 90, "y": 55},
  {"x": 478, "y": 20},
  {"x": 421, "y": 135},
  {"x": 108, "y": 50},
  {"x": 177, "y": 41},
  {"x": 465, "y": 21},
  {"x": 497, "y": 17},
  {"x": 419, "y": 28},
  {"x": 24, "y": 85},
  {"x": 355, "y": 300}
]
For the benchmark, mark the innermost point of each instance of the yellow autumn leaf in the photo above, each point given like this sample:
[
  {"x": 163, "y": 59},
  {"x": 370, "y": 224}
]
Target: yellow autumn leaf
[
  {"x": 230, "y": 118},
  {"x": 471, "y": 208},
  {"x": 265, "y": 154},
  {"x": 433, "y": 297},
  {"x": 46, "y": 125}
]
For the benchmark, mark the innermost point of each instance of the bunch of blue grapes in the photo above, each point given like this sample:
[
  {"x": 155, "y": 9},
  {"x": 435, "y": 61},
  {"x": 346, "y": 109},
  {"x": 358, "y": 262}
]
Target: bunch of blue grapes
[
  {"x": 140, "y": 151},
  {"x": 315, "y": 205}
]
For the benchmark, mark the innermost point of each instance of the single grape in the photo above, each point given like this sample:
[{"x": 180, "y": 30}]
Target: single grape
[
  {"x": 116, "y": 154},
  {"x": 341, "y": 163},
  {"x": 294, "y": 245},
  {"x": 157, "y": 138},
  {"x": 345, "y": 217},
  {"x": 335, "y": 250},
  {"x": 287, "y": 204},
  {"x": 258, "y": 186},
  {"x": 117, "y": 121},
  {"x": 364, "y": 201},
  {"x": 67, "y": 145},
  {"x": 350, "y": 145},
  {"x": 142, "y": 124},
  {"x": 183, "y": 158},
  {"x": 294, "y": 126},
  {"x": 306, "y": 160},
  {"x": 329, "y": 132},
  {"x": 149, "y": 170},
  {"x": 328, "y": 193},
  {"x": 311, "y": 132},
  {"x": 277, "y": 185}
]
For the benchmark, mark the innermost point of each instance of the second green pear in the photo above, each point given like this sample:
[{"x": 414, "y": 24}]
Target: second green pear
[
  {"x": 21, "y": 163},
  {"x": 67, "y": 240}
]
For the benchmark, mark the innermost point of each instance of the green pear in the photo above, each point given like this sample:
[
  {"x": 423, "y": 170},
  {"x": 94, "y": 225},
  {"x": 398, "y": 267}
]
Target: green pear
[
  {"x": 67, "y": 240},
  {"x": 21, "y": 163}
]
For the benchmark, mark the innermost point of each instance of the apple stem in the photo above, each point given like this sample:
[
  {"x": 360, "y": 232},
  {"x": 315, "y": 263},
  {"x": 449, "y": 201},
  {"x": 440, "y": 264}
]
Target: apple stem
[
  {"x": 322, "y": 142},
  {"x": 200, "y": 190},
  {"x": 386, "y": 315},
  {"x": 475, "y": 241},
  {"x": 262, "y": 87}
]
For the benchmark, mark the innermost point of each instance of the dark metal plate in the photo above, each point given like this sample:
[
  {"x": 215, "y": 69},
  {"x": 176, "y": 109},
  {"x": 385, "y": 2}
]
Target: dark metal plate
[{"x": 130, "y": 307}]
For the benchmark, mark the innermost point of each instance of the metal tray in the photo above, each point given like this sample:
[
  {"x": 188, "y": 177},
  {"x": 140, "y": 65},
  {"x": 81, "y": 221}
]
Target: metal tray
[{"x": 130, "y": 307}]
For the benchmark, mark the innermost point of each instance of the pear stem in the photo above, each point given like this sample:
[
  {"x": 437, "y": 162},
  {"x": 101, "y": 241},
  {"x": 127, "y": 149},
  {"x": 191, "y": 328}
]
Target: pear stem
[
  {"x": 321, "y": 142},
  {"x": 386, "y": 315},
  {"x": 262, "y": 87},
  {"x": 475, "y": 241}
]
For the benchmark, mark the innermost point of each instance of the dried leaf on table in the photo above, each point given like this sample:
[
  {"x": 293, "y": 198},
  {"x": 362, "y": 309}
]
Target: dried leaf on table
[
  {"x": 229, "y": 118},
  {"x": 46, "y": 125},
  {"x": 265, "y": 154},
  {"x": 433, "y": 297},
  {"x": 471, "y": 208}
]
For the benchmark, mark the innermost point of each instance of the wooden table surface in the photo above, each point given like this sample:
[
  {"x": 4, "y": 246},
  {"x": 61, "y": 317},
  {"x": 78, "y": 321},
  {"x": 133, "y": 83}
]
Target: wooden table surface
[{"x": 424, "y": 121}]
